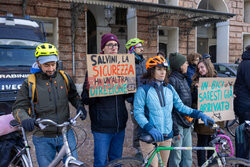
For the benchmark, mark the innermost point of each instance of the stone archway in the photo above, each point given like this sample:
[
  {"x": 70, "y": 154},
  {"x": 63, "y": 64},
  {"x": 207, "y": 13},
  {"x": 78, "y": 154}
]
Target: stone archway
[{"x": 215, "y": 34}]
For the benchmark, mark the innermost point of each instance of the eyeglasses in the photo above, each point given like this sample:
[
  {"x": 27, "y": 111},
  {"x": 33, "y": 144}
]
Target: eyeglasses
[
  {"x": 139, "y": 47},
  {"x": 111, "y": 46}
]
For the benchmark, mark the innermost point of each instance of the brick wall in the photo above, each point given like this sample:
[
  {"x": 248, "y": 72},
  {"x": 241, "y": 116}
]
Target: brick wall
[
  {"x": 237, "y": 25},
  {"x": 147, "y": 31},
  {"x": 60, "y": 10},
  {"x": 237, "y": 28}
]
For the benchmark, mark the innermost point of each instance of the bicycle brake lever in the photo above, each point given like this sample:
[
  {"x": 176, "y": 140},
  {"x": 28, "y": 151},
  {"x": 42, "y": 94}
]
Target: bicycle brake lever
[{"x": 41, "y": 126}]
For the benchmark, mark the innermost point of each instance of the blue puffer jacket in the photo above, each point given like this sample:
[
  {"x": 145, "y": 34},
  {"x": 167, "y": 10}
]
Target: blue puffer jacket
[{"x": 160, "y": 101}]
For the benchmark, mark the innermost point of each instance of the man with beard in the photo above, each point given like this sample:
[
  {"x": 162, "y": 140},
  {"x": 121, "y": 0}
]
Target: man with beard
[
  {"x": 54, "y": 89},
  {"x": 135, "y": 47}
]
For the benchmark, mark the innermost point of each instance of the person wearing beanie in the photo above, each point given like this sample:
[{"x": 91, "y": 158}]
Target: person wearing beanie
[
  {"x": 107, "y": 38},
  {"x": 183, "y": 124},
  {"x": 108, "y": 115},
  {"x": 134, "y": 46}
]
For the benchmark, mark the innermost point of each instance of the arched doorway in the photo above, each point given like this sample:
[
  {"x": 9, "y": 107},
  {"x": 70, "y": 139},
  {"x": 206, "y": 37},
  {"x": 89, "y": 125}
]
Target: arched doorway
[
  {"x": 91, "y": 33},
  {"x": 214, "y": 36}
]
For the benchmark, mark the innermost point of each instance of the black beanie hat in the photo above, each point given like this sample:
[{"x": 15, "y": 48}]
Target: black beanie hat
[{"x": 176, "y": 60}]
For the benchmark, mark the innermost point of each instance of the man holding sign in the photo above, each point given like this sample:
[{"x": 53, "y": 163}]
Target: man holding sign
[{"x": 108, "y": 114}]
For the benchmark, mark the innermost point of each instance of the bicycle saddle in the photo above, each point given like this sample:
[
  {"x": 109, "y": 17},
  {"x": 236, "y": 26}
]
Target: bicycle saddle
[
  {"x": 145, "y": 137},
  {"x": 14, "y": 123}
]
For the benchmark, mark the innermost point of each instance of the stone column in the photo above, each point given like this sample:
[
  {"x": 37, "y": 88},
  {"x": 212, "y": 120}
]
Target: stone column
[{"x": 222, "y": 50}]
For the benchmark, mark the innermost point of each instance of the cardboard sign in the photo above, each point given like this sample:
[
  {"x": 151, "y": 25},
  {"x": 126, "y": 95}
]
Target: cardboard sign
[
  {"x": 215, "y": 98},
  {"x": 111, "y": 74}
]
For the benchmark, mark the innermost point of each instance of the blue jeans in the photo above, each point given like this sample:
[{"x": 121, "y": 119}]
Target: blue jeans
[
  {"x": 46, "y": 147},
  {"x": 107, "y": 146},
  {"x": 182, "y": 157}
]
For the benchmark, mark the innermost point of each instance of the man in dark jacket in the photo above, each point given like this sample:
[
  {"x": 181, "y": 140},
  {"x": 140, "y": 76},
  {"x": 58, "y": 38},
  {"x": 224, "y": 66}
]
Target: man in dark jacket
[
  {"x": 177, "y": 78},
  {"x": 52, "y": 95},
  {"x": 135, "y": 47},
  {"x": 108, "y": 115},
  {"x": 242, "y": 88}
]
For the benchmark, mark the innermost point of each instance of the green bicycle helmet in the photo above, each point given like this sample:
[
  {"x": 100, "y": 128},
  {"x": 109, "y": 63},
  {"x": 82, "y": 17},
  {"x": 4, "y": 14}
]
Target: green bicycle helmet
[{"x": 133, "y": 42}]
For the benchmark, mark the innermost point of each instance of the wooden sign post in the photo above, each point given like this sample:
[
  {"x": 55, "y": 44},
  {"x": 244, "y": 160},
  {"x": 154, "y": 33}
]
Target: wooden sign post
[
  {"x": 111, "y": 74},
  {"x": 215, "y": 98}
]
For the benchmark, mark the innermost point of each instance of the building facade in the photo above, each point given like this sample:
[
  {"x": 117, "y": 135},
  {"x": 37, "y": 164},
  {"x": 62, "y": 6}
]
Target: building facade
[{"x": 218, "y": 27}]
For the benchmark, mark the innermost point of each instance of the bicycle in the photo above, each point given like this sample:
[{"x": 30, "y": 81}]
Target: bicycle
[
  {"x": 20, "y": 154},
  {"x": 23, "y": 157},
  {"x": 231, "y": 125},
  {"x": 219, "y": 158}
]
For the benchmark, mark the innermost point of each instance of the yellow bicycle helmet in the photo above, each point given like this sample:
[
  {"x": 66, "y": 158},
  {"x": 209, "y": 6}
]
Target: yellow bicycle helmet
[
  {"x": 46, "y": 49},
  {"x": 133, "y": 42}
]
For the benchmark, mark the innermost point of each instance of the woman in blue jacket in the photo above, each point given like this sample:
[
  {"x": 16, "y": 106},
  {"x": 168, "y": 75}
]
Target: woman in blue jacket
[{"x": 160, "y": 99}]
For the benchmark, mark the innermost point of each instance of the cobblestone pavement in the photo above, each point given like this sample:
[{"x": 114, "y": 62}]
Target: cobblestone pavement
[{"x": 85, "y": 151}]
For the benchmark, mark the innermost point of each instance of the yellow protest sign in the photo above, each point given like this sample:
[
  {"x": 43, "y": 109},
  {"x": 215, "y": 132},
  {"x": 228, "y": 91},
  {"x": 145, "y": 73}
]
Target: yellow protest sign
[
  {"x": 111, "y": 74},
  {"x": 215, "y": 98}
]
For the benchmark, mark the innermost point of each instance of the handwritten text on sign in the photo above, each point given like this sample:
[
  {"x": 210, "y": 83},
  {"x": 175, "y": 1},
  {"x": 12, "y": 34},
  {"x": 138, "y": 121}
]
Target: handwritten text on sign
[
  {"x": 111, "y": 74},
  {"x": 215, "y": 98}
]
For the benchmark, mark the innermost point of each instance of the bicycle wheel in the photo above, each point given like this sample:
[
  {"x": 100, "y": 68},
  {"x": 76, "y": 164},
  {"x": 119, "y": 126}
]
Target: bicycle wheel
[
  {"x": 19, "y": 161},
  {"x": 234, "y": 162},
  {"x": 231, "y": 125},
  {"x": 126, "y": 161}
]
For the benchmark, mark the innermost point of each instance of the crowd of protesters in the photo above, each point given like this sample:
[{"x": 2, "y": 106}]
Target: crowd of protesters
[{"x": 167, "y": 86}]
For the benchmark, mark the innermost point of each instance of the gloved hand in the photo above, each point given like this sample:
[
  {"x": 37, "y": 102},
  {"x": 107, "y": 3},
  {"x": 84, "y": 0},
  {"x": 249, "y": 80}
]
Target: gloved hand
[
  {"x": 156, "y": 134},
  {"x": 28, "y": 124},
  {"x": 205, "y": 118},
  {"x": 84, "y": 112}
]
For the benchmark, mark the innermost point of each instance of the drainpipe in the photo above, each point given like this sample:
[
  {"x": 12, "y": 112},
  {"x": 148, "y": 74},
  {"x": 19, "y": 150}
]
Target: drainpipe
[
  {"x": 73, "y": 28},
  {"x": 24, "y": 7},
  {"x": 73, "y": 54},
  {"x": 188, "y": 32},
  {"x": 187, "y": 42}
]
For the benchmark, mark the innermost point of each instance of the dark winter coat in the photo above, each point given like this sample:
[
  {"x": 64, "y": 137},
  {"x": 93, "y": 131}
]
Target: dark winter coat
[
  {"x": 107, "y": 114},
  {"x": 190, "y": 73},
  {"x": 140, "y": 68},
  {"x": 51, "y": 102},
  {"x": 242, "y": 88},
  {"x": 179, "y": 82}
]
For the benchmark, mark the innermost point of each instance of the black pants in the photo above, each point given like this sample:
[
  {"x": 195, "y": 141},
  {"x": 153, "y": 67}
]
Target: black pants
[{"x": 203, "y": 141}]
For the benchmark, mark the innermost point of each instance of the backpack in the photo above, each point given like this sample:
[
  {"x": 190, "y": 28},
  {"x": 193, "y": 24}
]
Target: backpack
[
  {"x": 33, "y": 92},
  {"x": 242, "y": 141}
]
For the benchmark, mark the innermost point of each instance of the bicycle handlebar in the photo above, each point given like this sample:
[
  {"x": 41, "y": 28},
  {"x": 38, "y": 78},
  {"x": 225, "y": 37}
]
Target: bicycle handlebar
[
  {"x": 48, "y": 122},
  {"x": 145, "y": 137}
]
